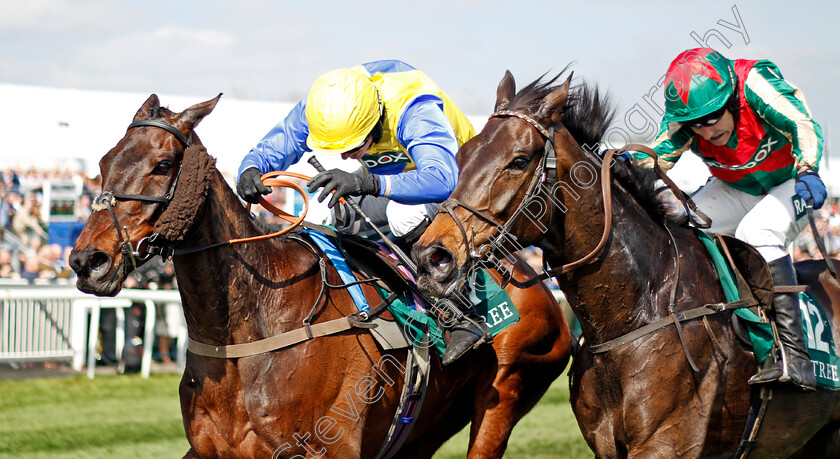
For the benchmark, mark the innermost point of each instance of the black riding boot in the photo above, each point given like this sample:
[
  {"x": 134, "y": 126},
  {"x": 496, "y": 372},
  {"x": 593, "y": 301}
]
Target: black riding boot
[
  {"x": 792, "y": 348},
  {"x": 468, "y": 331},
  {"x": 405, "y": 243}
]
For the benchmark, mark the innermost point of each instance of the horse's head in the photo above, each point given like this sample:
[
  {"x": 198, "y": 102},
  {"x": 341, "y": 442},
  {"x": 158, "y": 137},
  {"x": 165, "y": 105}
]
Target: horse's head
[
  {"x": 139, "y": 177},
  {"x": 504, "y": 199}
]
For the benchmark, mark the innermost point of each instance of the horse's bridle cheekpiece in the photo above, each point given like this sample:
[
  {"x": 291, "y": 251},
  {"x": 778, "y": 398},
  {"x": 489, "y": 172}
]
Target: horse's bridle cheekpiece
[
  {"x": 107, "y": 200},
  {"x": 546, "y": 172}
]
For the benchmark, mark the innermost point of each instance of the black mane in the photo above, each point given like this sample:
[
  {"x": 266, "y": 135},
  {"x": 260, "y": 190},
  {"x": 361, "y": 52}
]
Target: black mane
[{"x": 587, "y": 115}]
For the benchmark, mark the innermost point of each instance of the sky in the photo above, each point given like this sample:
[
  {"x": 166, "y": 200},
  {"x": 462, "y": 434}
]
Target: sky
[{"x": 273, "y": 50}]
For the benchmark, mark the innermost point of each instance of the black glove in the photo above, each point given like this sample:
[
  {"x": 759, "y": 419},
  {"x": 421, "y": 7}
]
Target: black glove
[
  {"x": 250, "y": 186},
  {"x": 344, "y": 184}
]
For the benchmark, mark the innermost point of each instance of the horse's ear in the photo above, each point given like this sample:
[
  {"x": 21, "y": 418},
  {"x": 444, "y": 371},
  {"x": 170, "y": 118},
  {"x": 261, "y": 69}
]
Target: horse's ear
[
  {"x": 505, "y": 91},
  {"x": 189, "y": 118},
  {"x": 151, "y": 105},
  {"x": 550, "y": 108}
]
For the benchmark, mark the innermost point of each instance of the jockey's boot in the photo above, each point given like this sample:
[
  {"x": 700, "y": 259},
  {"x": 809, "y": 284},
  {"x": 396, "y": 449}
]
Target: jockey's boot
[
  {"x": 468, "y": 330},
  {"x": 405, "y": 243},
  {"x": 794, "y": 365}
]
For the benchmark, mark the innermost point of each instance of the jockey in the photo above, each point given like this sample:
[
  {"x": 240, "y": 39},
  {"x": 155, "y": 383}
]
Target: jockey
[
  {"x": 754, "y": 131},
  {"x": 403, "y": 130}
]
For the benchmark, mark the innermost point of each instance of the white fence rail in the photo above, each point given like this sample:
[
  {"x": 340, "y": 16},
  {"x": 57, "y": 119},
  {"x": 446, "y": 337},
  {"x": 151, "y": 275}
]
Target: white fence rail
[{"x": 51, "y": 324}]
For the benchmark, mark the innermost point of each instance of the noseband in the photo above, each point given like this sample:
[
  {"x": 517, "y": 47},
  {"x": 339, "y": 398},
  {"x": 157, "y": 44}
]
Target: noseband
[
  {"x": 107, "y": 200},
  {"x": 546, "y": 173}
]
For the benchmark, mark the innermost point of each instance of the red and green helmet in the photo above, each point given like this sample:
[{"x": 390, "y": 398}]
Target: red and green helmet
[{"x": 699, "y": 81}]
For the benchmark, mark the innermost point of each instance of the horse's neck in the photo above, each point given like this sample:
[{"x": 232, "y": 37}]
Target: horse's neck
[
  {"x": 620, "y": 290},
  {"x": 218, "y": 285}
]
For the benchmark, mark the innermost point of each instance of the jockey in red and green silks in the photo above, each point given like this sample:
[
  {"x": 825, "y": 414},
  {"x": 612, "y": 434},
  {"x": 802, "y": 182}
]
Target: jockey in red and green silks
[{"x": 755, "y": 132}]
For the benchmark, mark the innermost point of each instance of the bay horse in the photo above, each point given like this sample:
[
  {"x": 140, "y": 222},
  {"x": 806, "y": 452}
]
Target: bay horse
[
  {"x": 641, "y": 399},
  {"x": 332, "y": 396}
]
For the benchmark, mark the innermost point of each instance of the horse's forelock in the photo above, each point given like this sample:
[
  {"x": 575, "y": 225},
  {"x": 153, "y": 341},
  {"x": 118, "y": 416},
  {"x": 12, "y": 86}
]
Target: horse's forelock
[
  {"x": 193, "y": 185},
  {"x": 586, "y": 114},
  {"x": 159, "y": 112}
]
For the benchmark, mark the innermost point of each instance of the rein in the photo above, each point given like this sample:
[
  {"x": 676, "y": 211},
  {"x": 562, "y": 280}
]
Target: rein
[
  {"x": 547, "y": 168},
  {"x": 149, "y": 246},
  {"x": 545, "y": 173}
]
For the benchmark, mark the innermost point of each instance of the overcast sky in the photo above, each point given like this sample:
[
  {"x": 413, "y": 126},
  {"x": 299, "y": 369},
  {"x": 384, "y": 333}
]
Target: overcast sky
[{"x": 272, "y": 50}]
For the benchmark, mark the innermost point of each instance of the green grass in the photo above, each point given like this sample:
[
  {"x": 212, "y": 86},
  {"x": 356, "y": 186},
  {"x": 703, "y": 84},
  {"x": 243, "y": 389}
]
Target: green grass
[
  {"x": 548, "y": 431},
  {"x": 127, "y": 416},
  {"x": 75, "y": 417}
]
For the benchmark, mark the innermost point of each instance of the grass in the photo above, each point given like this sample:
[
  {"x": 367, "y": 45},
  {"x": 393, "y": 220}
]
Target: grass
[
  {"x": 75, "y": 417},
  {"x": 127, "y": 416}
]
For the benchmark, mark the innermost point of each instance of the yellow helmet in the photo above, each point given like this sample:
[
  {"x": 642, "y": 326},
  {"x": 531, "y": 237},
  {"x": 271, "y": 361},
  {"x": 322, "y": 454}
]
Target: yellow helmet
[{"x": 342, "y": 108}]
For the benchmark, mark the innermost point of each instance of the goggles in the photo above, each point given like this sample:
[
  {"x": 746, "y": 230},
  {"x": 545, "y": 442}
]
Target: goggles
[{"x": 709, "y": 120}]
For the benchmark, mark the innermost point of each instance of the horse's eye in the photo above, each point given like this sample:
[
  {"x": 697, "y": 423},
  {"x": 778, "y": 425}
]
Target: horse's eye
[
  {"x": 519, "y": 162},
  {"x": 162, "y": 167}
]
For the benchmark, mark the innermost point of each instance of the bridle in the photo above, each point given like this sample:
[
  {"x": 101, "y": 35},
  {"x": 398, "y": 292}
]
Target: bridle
[
  {"x": 107, "y": 200},
  {"x": 547, "y": 167},
  {"x": 544, "y": 177},
  {"x": 151, "y": 245}
]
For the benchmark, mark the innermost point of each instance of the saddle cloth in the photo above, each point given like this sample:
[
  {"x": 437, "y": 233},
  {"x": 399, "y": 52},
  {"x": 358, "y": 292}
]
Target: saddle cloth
[
  {"x": 410, "y": 309},
  {"x": 750, "y": 275}
]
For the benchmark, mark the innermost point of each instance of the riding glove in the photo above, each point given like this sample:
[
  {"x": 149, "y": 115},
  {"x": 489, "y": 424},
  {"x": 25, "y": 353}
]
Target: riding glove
[
  {"x": 810, "y": 187},
  {"x": 624, "y": 156},
  {"x": 250, "y": 186},
  {"x": 344, "y": 184}
]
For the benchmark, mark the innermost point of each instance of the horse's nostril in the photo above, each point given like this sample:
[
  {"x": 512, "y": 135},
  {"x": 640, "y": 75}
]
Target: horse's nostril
[
  {"x": 86, "y": 261},
  {"x": 440, "y": 257},
  {"x": 96, "y": 260}
]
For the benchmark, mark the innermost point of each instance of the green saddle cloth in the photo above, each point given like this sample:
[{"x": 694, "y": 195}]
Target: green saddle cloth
[
  {"x": 815, "y": 323},
  {"x": 489, "y": 300}
]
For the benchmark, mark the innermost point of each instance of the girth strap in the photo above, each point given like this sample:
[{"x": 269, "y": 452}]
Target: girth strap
[
  {"x": 674, "y": 318},
  {"x": 283, "y": 340}
]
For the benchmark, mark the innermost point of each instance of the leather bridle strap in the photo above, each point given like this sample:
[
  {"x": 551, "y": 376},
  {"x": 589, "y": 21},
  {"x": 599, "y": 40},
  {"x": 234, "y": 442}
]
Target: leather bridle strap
[
  {"x": 186, "y": 142},
  {"x": 107, "y": 200},
  {"x": 547, "y": 165}
]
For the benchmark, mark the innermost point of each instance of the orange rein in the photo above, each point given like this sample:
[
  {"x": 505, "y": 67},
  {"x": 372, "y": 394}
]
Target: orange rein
[{"x": 270, "y": 179}]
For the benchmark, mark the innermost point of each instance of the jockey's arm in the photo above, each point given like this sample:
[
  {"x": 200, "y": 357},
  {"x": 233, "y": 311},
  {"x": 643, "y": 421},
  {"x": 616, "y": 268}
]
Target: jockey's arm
[
  {"x": 783, "y": 107},
  {"x": 430, "y": 141},
  {"x": 670, "y": 143},
  {"x": 283, "y": 146}
]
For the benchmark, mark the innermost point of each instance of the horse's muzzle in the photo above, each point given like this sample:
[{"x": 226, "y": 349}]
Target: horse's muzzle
[
  {"x": 437, "y": 268},
  {"x": 92, "y": 268}
]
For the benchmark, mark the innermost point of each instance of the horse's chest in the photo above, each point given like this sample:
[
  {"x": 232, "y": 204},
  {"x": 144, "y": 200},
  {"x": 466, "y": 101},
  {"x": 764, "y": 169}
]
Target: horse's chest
[{"x": 217, "y": 420}]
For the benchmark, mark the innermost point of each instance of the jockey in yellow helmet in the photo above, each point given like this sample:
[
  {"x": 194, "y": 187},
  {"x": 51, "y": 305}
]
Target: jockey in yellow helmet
[{"x": 403, "y": 130}]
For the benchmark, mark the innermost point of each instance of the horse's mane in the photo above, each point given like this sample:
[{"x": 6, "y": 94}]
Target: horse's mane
[{"x": 587, "y": 114}]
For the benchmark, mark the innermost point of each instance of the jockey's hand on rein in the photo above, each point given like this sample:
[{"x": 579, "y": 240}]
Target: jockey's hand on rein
[
  {"x": 623, "y": 156},
  {"x": 344, "y": 184},
  {"x": 810, "y": 187},
  {"x": 250, "y": 186}
]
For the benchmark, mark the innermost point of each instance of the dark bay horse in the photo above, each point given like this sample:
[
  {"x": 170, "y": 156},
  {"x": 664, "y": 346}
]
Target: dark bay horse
[
  {"x": 332, "y": 396},
  {"x": 641, "y": 399}
]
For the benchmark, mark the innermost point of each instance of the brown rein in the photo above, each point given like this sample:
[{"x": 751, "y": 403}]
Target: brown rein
[{"x": 548, "y": 161}]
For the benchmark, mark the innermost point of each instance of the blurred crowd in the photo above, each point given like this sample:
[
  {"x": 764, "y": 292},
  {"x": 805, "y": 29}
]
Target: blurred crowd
[
  {"x": 26, "y": 252},
  {"x": 28, "y": 255},
  {"x": 828, "y": 226}
]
